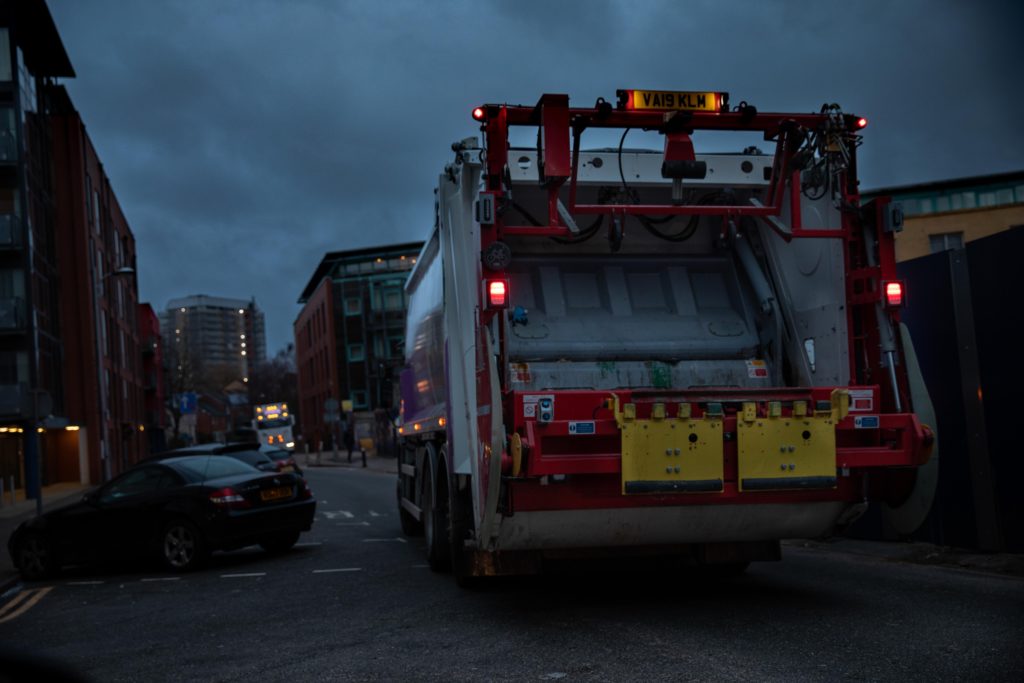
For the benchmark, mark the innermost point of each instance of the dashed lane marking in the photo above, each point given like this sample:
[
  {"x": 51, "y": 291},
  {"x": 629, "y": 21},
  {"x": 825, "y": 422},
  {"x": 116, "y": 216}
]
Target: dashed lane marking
[
  {"x": 351, "y": 524},
  {"x": 331, "y": 514},
  {"x": 308, "y": 544},
  {"x": 22, "y": 603},
  {"x": 342, "y": 569},
  {"x": 374, "y": 514},
  {"x": 161, "y": 578},
  {"x": 242, "y": 576},
  {"x": 384, "y": 540}
]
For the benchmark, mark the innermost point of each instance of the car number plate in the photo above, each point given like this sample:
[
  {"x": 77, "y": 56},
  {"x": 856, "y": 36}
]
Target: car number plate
[
  {"x": 287, "y": 468},
  {"x": 275, "y": 494}
]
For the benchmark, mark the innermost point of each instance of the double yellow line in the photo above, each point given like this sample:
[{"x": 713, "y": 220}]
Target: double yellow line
[{"x": 22, "y": 602}]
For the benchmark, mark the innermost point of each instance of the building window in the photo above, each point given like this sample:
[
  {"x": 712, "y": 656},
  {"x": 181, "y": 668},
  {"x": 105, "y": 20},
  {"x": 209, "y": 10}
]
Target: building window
[
  {"x": 944, "y": 241},
  {"x": 359, "y": 399},
  {"x": 356, "y": 353},
  {"x": 393, "y": 299},
  {"x": 353, "y": 305}
]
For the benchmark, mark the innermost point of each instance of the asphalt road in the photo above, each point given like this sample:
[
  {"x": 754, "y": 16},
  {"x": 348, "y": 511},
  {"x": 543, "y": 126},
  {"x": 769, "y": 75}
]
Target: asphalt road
[{"x": 355, "y": 601}]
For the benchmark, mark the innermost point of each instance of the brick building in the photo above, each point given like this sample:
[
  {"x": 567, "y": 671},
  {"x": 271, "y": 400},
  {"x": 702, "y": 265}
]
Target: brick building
[
  {"x": 947, "y": 214},
  {"x": 350, "y": 334},
  {"x": 70, "y": 379},
  {"x": 154, "y": 395},
  {"x": 99, "y": 300}
]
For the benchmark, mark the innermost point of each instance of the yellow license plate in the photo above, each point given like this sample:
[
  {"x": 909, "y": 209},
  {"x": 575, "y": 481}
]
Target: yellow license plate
[
  {"x": 668, "y": 100},
  {"x": 276, "y": 494},
  {"x": 287, "y": 468}
]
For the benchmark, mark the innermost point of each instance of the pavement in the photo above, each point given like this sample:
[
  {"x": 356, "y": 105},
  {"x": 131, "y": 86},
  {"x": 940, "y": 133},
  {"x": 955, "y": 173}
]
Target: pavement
[{"x": 894, "y": 551}]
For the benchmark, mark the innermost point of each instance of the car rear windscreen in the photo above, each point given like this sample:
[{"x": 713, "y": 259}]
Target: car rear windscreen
[{"x": 213, "y": 467}]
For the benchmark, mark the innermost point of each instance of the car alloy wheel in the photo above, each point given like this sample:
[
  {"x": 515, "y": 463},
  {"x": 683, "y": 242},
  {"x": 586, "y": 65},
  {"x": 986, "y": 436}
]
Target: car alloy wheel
[
  {"x": 181, "y": 546},
  {"x": 34, "y": 558}
]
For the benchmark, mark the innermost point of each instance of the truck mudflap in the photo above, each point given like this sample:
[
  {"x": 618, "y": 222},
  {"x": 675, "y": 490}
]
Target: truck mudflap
[{"x": 685, "y": 454}]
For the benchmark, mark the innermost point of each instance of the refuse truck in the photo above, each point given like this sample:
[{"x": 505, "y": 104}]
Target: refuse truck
[{"x": 614, "y": 351}]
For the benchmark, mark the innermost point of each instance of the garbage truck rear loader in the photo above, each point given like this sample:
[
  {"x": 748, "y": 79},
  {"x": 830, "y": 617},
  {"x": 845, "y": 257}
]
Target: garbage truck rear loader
[{"x": 618, "y": 351}]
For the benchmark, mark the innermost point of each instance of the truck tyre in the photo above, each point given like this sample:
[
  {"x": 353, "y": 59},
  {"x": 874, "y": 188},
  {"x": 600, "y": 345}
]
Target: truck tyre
[
  {"x": 435, "y": 516},
  {"x": 460, "y": 513}
]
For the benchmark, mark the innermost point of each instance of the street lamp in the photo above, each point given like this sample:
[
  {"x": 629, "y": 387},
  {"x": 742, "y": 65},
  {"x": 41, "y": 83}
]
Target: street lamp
[{"x": 101, "y": 375}]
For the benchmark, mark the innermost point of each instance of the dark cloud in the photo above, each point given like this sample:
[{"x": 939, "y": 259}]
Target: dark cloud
[{"x": 246, "y": 138}]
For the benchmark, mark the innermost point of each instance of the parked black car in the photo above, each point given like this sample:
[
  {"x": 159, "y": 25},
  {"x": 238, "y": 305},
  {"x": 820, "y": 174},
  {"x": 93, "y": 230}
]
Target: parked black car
[
  {"x": 177, "y": 510},
  {"x": 284, "y": 460}
]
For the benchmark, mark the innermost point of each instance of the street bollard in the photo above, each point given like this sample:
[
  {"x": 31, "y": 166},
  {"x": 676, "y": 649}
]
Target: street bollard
[{"x": 364, "y": 456}]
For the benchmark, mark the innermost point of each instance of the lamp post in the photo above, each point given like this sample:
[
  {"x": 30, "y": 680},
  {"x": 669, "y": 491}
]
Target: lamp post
[{"x": 101, "y": 375}]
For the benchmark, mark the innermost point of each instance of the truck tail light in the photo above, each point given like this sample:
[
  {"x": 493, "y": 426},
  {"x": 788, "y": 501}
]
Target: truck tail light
[
  {"x": 893, "y": 293},
  {"x": 479, "y": 113},
  {"x": 497, "y": 293}
]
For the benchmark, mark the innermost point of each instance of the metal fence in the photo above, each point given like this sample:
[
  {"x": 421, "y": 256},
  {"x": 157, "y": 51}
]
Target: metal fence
[{"x": 965, "y": 315}]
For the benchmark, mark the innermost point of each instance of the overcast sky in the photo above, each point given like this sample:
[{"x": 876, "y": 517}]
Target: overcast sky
[{"x": 246, "y": 138}]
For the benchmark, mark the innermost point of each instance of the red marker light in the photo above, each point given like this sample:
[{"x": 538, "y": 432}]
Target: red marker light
[
  {"x": 479, "y": 113},
  {"x": 862, "y": 122},
  {"x": 894, "y": 293},
  {"x": 497, "y": 294}
]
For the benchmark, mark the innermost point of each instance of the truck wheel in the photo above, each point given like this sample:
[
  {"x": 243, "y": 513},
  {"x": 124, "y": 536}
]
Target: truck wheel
[
  {"x": 410, "y": 527},
  {"x": 435, "y": 518},
  {"x": 460, "y": 514}
]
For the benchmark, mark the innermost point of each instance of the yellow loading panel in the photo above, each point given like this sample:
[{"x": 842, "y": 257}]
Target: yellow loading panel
[
  {"x": 669, "y": 455},
  {"x": 798, "y": 451}
]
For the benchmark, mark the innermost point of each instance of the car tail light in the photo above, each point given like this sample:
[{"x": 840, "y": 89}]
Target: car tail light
[
  {"x": 304, "y": 492},
  {"x": 893, "y": 293},
  {"x": 228, "y": 498}
]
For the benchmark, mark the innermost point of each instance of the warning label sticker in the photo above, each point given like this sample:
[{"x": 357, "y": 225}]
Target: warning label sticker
[
  {"x": 581, "y": 427},
  {"x": 520, "y": 373},
  {"x": 865, "y": 422},
  {"x": 757, "y": 368},
  {"x": 862, "y": 400}
]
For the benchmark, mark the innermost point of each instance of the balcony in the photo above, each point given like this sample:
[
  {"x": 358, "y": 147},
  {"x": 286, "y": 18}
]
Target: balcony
[
  {"x": 10, "y": 231},
  {"x": 12, "y": 314}
]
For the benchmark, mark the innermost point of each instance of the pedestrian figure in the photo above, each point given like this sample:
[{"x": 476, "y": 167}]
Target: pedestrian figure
[{"x": 349, "y": 439}]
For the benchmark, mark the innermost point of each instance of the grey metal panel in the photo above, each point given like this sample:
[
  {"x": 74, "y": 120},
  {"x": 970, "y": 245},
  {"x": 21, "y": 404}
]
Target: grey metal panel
[
  {"x": 689, "y": 308},
  {"x": 688, "y": 374},
  {"x": 644, "y": 168},
  {"x": 556, "y": 529},
  {"x": 810, "y": 280}
]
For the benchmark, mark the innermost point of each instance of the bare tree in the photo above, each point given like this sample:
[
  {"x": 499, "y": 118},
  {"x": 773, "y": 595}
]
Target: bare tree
[{"x": 276, "y": 379}]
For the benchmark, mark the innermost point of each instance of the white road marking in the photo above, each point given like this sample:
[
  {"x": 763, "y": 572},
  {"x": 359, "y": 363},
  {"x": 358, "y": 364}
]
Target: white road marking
[
  {"x": 308, "y": 544},
  {"x": 351, "y": 524},
  {"x": 242, "y": 576},
  {"x": 374, "y": 514},
  {"x": 343, "y": 569},
  {"x": 331, "y": 514},
  {"x": 84, "y": 583},
  {"x": 161, "y": 578},
  {"x": 382, "y": 540}
]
